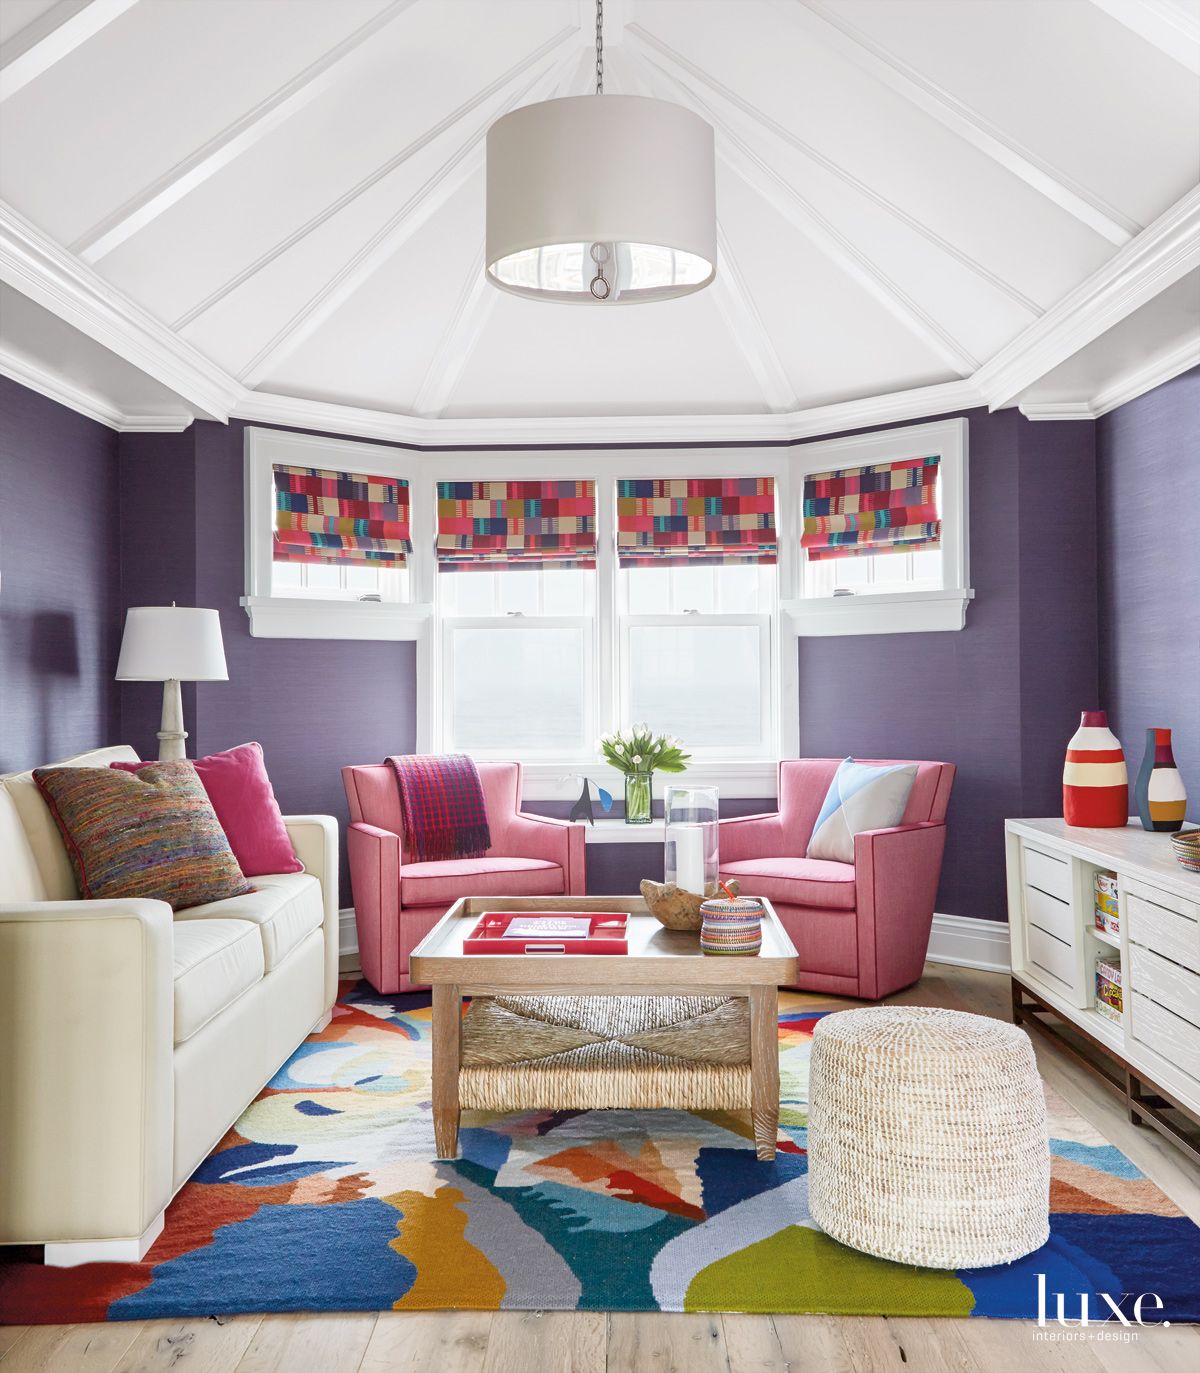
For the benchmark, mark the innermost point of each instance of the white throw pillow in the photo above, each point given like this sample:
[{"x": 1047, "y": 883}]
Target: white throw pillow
[{"x": 860, "y": 797}]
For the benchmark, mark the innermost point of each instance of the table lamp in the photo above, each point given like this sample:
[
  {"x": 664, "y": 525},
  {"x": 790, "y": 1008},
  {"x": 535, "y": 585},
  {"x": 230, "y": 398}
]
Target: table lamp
[{"x": 171, "y": 644}]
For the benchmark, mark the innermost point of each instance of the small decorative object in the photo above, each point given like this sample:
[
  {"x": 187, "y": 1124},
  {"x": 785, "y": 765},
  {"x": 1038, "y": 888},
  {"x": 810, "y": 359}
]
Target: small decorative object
[
  {"x": 1109, "y": 999},
  {"x": 678, "y": 909},
  {"x": 582, "y": 809},
  {"x": 1161, "y": 799},
  {"x": 1108, "y": 914},
  {"x": 1187, "y": 850},
  {"x": 927, "y": 1139},
  {"x": 1095, "y": 780},
  {"x": 731, "y": 926},
  {"x": 690, "y": 849},
  {"x": 639, "y": 753}
]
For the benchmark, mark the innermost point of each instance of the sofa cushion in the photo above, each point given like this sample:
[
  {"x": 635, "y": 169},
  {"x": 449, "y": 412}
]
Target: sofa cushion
[
  {"x": 796, "y": 881},
  {"x": 283, "y": 907},
  {"x": 440, "y": 884},
  {"x": 151, "y": 834},
  {"x": 39, "y": 869},
  {"x": 215, "y": 962}
]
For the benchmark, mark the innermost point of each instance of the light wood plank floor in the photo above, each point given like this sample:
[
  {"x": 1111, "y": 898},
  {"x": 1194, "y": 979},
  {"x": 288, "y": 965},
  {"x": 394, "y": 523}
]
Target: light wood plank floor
[{"x": 620, "y": 1342}]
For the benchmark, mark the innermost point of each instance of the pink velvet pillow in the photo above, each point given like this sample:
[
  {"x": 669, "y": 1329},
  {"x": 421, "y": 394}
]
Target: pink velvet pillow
[{"x": 241, "y": 794}]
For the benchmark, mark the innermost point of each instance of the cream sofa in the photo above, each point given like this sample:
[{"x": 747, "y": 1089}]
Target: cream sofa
[{"x": 131, "y": 1039}]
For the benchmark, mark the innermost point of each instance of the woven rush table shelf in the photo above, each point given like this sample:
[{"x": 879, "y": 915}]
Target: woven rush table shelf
[{"x": 660, "y": 1028}]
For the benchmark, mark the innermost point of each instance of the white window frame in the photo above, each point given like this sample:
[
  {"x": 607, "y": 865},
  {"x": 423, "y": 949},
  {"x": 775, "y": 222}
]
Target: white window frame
[
  {"x": 334, "y": 617},
  {"x": 895, "y": 612}
]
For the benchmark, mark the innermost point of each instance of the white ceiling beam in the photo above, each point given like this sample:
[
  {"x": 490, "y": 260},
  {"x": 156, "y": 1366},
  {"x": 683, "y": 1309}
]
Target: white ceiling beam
[
  {"x": 823, "y": 22},
  {"x": 736, "y": 304},
  {"x": 462, "y": 164},
  {"x": 745, "y": 163},
  {"x": 231, "y": 142},
  {"x": 1160, "y": 255},
  {"x": 726, "y": 95},
  {"x": 455, "y": 117},
  {"x": 52, "y": 36},
  {"x": 1167, "y": 25},
  {"x": 41, "y": 269},
  {"x": 474, "y": 307}
]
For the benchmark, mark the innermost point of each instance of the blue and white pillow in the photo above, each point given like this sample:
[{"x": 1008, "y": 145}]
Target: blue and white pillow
[{"x": 860, "y": 797}]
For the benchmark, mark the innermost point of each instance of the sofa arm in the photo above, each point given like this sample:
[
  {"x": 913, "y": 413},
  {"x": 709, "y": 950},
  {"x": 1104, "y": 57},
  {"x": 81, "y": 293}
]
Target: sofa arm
[
  {"x": 751, "y": 836},
  {"x": 315, "y": 841},
  {"x": 554, "y": 841},
  {"x": 86, "y": 1069},
  {"x": 896, "y": 874}
]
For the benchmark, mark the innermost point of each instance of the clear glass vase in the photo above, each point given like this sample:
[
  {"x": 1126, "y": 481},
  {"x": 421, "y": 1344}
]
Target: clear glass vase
[
  {"x": 639, "y": 787},
  {"x": 690, "y": 858}
]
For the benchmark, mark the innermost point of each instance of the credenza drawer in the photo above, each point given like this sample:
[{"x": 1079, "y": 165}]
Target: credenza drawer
[
  {"x": 1050, "y": 914},
  {"x": 1048, "y": 872},
  {"x": 1052, "y": 957},
  {"x": 1167, "y": 983},
  {"x": 1190, "y": 910},
  {"x": 1176, "y": 1039},
  {"x": 1164, "y": 930}
]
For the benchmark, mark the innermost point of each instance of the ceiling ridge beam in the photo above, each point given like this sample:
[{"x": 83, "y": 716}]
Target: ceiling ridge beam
[
  {"x": 386, "y": 241},
  {"x": 50, "y": 37},
  {"x": 806, "y": 149},
  {"x": 41, "y": 269},
  {"x": 474, "y": 307},
  {"x": 1162, "y": 23},
  {"x": 1160, "y": 255},
  {"x": 225, "y": 147},
  {"x": 783, "y": 196},
  {"x": 1053, "y": 183},
  {"x": 385, "y": 169},
  {"x": 736, "y": 304}
]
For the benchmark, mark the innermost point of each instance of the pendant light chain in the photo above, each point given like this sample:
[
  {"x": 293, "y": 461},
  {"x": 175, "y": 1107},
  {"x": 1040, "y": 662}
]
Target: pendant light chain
[{"x": 599, "y": 47}]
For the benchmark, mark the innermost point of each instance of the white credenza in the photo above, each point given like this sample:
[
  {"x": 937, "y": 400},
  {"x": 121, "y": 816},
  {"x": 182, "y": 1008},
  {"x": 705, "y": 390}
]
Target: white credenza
[{"x": 1152, "y": 1056}]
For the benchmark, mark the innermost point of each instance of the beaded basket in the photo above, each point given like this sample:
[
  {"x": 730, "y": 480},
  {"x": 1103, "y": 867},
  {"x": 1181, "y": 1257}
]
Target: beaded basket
[{"x": 731, "y": 927}]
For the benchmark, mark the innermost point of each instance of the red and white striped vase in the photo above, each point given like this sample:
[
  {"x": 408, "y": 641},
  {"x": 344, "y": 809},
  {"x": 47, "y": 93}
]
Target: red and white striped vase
[{"x": 1095, "y": 779}]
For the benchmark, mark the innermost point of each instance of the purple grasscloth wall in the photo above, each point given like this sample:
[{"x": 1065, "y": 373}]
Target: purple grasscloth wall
[
  {"x": 1148, "y": 460},
  {"x": 59, "y": 594}
]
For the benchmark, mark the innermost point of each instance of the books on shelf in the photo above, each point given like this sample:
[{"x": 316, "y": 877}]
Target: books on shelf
[{"x": 549, "y": 927}]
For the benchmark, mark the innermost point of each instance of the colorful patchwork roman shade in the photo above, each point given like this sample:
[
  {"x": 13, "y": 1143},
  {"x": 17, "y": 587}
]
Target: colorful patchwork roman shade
[
  {"x": 497, "y": 525},
  {"x": 889, "y": 508},
  {"x": 699, "y": 520},
  {"x": 340, "y": 517}
]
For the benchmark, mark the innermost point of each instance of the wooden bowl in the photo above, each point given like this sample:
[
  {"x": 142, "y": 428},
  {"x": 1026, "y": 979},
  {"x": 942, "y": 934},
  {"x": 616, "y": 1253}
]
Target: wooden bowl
[{"x": 675, "y": 908}]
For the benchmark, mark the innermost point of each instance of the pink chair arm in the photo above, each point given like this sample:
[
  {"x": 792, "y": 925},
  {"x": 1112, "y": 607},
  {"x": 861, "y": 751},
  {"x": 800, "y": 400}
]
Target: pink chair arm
[
  {"x": 554, "y": 841},
  {"x": 751, "y": 836},
  {"x": 375, "y": 883},
  {"x": 896, "y": 873}
]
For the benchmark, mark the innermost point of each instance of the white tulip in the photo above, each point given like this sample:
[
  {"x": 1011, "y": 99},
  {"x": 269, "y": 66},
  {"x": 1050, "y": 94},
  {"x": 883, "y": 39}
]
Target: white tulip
[{"x": 637, "y": 758}]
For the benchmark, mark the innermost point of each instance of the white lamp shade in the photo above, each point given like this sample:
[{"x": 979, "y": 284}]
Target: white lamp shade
[
  {"x": 165, "y": 642},
  {"x": 634, "y": 175}
]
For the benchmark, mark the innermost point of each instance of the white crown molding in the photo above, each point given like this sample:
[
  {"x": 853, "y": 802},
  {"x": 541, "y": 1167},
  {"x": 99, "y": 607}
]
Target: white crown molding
[
  {"x": 1166, "y": 24},
  {"x": 51, "y": 37},
  {"x": 1057, "y": 410},
  {"x": 55, "y": 388},
  {"x": 1162, "y": 253},
  {"x": 39, "y": 268},
  {"x": 1147, "y": 377}
]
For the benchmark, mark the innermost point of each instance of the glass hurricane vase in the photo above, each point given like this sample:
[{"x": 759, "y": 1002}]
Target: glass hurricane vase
[{"x": 639, "y": 788}]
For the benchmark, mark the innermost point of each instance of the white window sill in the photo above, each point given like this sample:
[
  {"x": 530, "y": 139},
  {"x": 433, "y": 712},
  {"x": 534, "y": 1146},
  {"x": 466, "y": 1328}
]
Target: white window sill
[
  {"x": 898, "y": 612},
  {"x": 297, "y": 617},
  {"x": 563, "y": 781}
]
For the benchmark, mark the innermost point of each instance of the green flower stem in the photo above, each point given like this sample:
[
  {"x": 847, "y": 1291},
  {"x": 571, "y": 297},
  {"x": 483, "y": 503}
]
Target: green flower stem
[{"x": 638, "y": 787}]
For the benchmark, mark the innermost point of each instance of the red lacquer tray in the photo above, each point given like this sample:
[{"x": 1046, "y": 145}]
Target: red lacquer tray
[{"x": 608, "y": 933}]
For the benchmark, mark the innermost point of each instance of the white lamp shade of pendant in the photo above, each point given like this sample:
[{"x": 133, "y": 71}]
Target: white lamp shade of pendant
[
  {"x": 631, "y": 178},
  {"x": 162, "y": 643}
]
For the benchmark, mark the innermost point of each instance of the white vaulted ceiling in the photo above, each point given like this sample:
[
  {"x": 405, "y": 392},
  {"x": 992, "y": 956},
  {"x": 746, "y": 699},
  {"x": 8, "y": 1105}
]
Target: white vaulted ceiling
[{"x": 274, "y": 207}]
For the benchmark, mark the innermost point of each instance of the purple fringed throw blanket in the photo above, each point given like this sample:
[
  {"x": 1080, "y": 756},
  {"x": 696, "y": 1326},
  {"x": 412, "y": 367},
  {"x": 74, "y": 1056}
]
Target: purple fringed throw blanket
[{"x": 442, "y": 801}]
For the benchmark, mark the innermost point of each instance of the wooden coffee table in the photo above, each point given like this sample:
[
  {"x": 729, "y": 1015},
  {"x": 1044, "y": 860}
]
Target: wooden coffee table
[{"x": 660, "y": 963}]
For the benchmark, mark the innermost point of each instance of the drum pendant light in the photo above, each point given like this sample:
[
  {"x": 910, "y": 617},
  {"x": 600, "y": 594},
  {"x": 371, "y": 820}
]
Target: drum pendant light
[{"x": 601, "y": 199}]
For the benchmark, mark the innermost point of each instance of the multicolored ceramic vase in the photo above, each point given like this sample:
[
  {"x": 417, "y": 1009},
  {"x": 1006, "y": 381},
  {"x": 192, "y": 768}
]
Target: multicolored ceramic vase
[
  {"x": 1095, "y": 779},
  {"x": 1158, "y": 792}
]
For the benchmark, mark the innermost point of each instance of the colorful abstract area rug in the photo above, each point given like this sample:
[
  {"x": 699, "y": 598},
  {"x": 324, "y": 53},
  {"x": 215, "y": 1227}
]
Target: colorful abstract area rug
[{"x": 326, "y": 1196}]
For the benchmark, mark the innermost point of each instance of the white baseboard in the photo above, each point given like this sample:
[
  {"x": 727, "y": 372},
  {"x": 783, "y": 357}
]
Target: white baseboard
[
  {"x": 347, "y": 932},
  {"x": 960, "y": 940},
  {"x": 966, "y": 942}
]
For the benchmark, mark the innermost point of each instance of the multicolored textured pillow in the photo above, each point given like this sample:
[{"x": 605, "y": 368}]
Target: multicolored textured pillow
[
  {"x": 150, "y": 834},
  {"x": 861, "y": 797}
]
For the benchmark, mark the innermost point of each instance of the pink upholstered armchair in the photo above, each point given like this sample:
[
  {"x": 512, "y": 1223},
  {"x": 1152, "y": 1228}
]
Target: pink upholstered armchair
[
  {"x": 860, "y": 929},
  {"x": 397, "y": 902}
]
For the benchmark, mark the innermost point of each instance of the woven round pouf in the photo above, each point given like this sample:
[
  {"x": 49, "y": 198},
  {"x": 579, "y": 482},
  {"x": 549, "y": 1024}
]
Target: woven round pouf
[{"x": 927, "y": 1137}]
